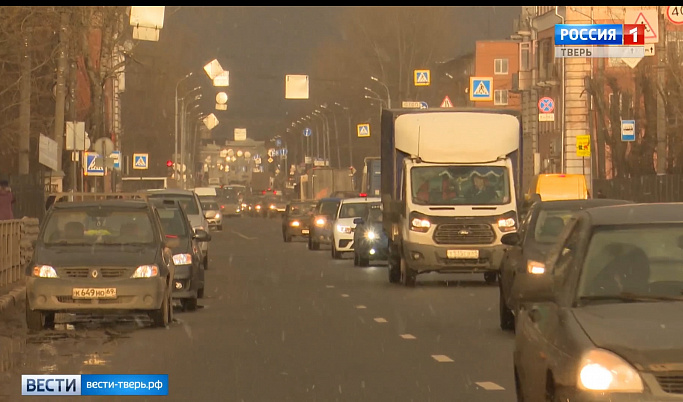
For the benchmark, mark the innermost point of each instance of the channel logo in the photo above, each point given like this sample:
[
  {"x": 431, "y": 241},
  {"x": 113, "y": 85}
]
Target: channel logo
[
  {"x": 94, "y": 384},
  {"x": 599, "y": 34}
]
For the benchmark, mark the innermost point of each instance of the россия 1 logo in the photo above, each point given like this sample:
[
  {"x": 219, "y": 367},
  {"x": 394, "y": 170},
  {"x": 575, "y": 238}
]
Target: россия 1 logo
[{"x": 599, "y": 34}]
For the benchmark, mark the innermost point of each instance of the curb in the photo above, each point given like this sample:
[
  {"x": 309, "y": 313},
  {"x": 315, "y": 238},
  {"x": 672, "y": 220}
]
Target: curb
[{"x": 13, "y": 298}]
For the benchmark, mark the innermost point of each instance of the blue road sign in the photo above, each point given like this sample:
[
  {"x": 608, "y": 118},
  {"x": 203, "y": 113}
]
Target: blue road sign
[
  {"x": 628, "y": 130},
  {"x": 140, "y": 161},
  {"x": 481, "y": 88},
  {"x": 278, "y": 142},
  {"x": 92, "y": 167},
  {"x": 423, "y": 105},
  {"x": 364, "y": 130},
  {"x": 308, "y": 132},
  {"x": 117, "y": 159}
]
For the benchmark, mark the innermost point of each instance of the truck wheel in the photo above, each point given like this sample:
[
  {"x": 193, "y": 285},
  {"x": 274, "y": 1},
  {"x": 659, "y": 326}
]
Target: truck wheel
[
  {"x": 490, "y": 277},
  {"x": 507, "y": 319},
  {"x": 394, "y": 270},
  {"x": 408, "y": 276},
  {"x": 355, "y": 259}
]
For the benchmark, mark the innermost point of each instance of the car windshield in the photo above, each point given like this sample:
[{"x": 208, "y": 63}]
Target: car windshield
[
  {"x": 460, "y": 185},
  {"x": 329, "y": 208},
  {"x": 550, "y": 224},
  {"x": 172, "y": 222},
  {"x": 210, "y": 205},
  {"x": 188, "y": 202},
  {"x": 95, "y": 225},
  {"x": 353, "y": 209},
  {"x": 642, "y": 261},
  {"x": 375, "y": 214},
  {"x": 300, "y": 209}
]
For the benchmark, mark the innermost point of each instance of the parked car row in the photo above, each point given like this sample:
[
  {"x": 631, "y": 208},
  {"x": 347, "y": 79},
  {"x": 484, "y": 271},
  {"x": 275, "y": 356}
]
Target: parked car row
[{"x": 113, "y": 253}]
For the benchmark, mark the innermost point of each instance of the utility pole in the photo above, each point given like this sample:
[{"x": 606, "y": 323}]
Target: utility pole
[
  {"x": 661, "y": 78},
  {"x": 61, "y": 89},
  {"x": 25, "y": 108}
]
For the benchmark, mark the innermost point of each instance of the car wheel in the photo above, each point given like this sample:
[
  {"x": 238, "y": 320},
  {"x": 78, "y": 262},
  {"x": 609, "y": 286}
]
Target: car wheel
[
  {"x": 314, "y": 245},
  {"x": 490, "y": 277},
  {"x": 335, "y": 254},
  {"x": 205, "y": 262},
  {"x": 220, "y": 227},
  {"x": 200, "y": 293},
  {"x": 189, "y": 304},
  {"x": 37, "y": 320},
  {"x": 518, "y": 388},
  {"x": 507, "y": 319},
  {"x": 355, "y": 259},
  {"x": 161, "y": 316},
  {"x": 363, "y": 261},
  {"x": 408, "y": 276},
  {"x": 287, "y": 237}
]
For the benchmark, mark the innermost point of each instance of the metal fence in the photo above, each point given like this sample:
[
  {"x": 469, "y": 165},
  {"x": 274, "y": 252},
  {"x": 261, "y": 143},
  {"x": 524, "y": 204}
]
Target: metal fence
[
  {"x": 10, "y": 252},
  {"x": 651, "y": 188},
  {"x": 30, "y": 194}
]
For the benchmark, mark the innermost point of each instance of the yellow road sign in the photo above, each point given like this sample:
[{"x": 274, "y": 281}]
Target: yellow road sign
[{"x": 583, "y": 145}]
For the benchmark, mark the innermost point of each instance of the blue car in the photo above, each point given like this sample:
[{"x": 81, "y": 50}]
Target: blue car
[{"x": 369, "y": 240}]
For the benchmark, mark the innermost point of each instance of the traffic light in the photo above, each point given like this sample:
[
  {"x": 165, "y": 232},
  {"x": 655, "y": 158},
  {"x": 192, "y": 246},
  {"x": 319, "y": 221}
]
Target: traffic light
[{"x": 169, "y": 163}]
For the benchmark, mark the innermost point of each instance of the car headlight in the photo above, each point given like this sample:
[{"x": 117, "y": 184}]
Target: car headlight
[
  {"x": 535, "y": 267},
  {"x": 370, "y": 235},
  {"x": 602, "y": 370},
  {"x": 182, "y": 259},
  {"x": 343, "y": 229},
  {"x": 218, "y": 215},
  {"x": 272, "y": 206},
  {"x": 44, "y": 271},
  {"x": 295, "y": 224},
  {"x": 258, "y": 207},
  {"x": 320, "y": 222},
  {"x": 146, "y": 271}
]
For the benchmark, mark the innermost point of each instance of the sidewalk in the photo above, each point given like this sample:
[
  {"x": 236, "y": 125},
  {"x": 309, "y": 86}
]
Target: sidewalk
[{"x": 12, "y": 295}]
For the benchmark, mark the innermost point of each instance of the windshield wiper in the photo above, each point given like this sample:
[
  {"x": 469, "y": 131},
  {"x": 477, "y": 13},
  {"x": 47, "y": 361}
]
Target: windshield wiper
[
  {"x": 631, "y": 298},
  {"x": 68, "y": 243}
]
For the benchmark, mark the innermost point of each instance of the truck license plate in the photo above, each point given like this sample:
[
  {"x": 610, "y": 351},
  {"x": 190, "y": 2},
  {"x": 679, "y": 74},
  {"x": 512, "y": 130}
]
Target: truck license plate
[
  {"x": 463, "y": 254},
  {"x": 304, "y": 231},
  {"x": 94, "y": 293}
]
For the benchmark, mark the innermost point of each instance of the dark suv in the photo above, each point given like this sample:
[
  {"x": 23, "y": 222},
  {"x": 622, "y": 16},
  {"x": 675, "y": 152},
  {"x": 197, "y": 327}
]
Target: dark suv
[
  {"x": 321, "y": 222},
  {"x": 188, "y": 283},
  {"x": 99, "y": 256}
]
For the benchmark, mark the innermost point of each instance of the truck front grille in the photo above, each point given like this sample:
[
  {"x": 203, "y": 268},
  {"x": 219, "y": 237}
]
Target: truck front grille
[{"x": 464, "y": 233}]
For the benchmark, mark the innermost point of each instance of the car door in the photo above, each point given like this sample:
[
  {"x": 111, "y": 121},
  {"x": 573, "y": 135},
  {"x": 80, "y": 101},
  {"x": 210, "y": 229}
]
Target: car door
[
  {"x": 538, "y": 326},
  {"x": 513, "y": 259}
]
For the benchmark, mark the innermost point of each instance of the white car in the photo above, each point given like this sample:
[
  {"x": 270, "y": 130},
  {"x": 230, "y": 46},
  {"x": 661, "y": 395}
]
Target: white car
[{"x": 343, "y": 226}]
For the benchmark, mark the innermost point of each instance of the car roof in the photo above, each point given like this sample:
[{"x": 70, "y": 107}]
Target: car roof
[
  {"x": 131, "y": 204},
  {"x": 174, "y": 191},
  {"x": 330, "y": 199},
  {"x": 580, "y": 204},
  {"x": 634, "y": 214},
  {"x": 357, "y": 200}
]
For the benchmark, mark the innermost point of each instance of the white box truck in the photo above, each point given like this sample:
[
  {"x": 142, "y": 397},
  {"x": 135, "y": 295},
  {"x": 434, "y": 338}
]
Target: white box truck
[{"x": 451, "y": 181}]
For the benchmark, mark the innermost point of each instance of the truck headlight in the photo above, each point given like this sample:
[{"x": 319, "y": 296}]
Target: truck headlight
[
  {"x": 507, "y": 222},
  {"x": 182, "y": 259},
  {"x": 370, "y": 235},
  {"x": 146, "y": 271},
  {"x": 602, "y": 370},
  {"x": 44, "y": 271},
  {"x": 420, "y": 225},
  {"x": 535, "y": 267}
]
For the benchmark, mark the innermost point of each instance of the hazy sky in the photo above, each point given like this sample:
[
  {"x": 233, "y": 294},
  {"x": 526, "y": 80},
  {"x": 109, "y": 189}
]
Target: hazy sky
[{"x": 260, "y": 45}]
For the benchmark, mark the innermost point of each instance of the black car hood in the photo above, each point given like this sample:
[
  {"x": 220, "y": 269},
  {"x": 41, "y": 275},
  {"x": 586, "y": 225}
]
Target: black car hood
[
  {"x": 95, "y": 256},
  {"x": 645, "y": 334}
]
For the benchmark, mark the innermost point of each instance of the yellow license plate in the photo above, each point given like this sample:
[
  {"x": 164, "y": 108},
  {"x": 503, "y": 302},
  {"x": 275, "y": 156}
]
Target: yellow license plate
[
  {"x": 93, "y": 293},
  {"x": 463, "y": 254}
]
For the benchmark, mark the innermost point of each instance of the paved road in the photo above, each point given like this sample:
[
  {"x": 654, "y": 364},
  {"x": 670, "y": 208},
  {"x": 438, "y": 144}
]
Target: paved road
[{"x": 282, "y": 323}]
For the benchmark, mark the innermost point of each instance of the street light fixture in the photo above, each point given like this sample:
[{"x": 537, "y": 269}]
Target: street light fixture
[
  {"x": 386, "y": 88},
  {"x": 175, "y": 154}
]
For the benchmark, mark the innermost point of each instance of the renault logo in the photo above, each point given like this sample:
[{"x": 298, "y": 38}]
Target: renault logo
[
  {"x": 464, "y": 232},
  {"x": 94, "y": 273}
]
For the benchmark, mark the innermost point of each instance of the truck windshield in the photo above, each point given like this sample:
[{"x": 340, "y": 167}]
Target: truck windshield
[{"x": 460, "y": 185}]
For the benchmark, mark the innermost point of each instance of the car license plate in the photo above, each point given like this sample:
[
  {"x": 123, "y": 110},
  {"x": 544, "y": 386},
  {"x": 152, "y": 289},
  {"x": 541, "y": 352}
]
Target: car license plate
[
  {"x": 304, "y": 231},
  {"x": 94, "y": 293},
  {"x": 463, "y": 254}
]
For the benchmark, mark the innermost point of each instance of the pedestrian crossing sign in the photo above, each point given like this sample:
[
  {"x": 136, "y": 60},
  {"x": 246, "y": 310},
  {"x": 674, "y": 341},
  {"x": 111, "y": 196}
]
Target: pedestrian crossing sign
[
  {"x": 93, "y": 165},
  {"x": 421, "y": 78},
  {"x": 481, "y": 88},
  {"x": 364, "y": 130},
  {"x": 140, "y": 161}
]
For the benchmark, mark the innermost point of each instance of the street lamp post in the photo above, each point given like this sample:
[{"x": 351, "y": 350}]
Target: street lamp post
[
  {"x": 175, "y": 152},
  {"x": 348, "y": 117},
  {"x": 336, "y": 134},
  {"x": 386, "y": 88},
  {"x": 183, "y": 138}
]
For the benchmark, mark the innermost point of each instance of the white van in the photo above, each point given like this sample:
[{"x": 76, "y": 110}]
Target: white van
[{"x": 205, "y": 191}]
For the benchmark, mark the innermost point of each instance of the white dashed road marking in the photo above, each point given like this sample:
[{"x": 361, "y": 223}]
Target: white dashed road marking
[
  {"x": 380, "y": 319},
  {"x": 360, "y": 307},
  {"x": 330, "y": 286},
  {"x": 408, "y": 336},
  {"x": 490, "y": 386},
  {"x": 442, "y": 358},
  {"x": 344, "y": 295}
]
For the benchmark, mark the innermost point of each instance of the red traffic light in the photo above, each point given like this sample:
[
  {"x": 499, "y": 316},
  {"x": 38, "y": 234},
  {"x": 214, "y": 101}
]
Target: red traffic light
[{"x": 169, "y": 163}]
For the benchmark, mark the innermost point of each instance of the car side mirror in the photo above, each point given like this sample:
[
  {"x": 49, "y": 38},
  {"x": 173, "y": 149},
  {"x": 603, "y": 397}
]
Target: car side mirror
[
  {"x": 533, "y": 288},
  {"x": 201, "y": 235},
  {"x": 511, "y": 239},
  {"x": 358, "y": 221}
]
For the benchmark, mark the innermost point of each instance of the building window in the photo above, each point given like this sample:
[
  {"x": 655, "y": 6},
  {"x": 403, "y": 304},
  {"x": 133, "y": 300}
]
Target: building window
[
  {"x": 500, "y": 97},
  {"x": 500, "y": 66},
  {"x": 525, "y": 56}
]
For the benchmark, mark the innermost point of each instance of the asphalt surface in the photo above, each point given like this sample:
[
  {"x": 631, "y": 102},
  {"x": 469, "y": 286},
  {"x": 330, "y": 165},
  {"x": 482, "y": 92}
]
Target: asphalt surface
[{"x": 282, "y": 323}]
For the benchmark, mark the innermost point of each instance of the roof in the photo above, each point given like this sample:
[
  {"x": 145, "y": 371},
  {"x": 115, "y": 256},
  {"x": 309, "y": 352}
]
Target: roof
[
  {"x": 176, "y": 191},
  {"x": 333, "y": 199},
  {"x": 132, "y": 204},
  {"x": 361, "y": 200},
  {"x": 580, "y": 203},
  {"x": 634, "y": 214}
]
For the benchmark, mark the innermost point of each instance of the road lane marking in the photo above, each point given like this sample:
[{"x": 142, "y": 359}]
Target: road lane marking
[
  {"x": 490, "y": 386},
  {"x": 243, "y": 236},
  {"x": 442, "y": 358},
  {"x": 360, "y": 307},
  {"x": 344, "y": 295},
  {"x": 330, "y": 286},
  {"x": 407, "y": 336},
  {"x": 380, "y": 319}
]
